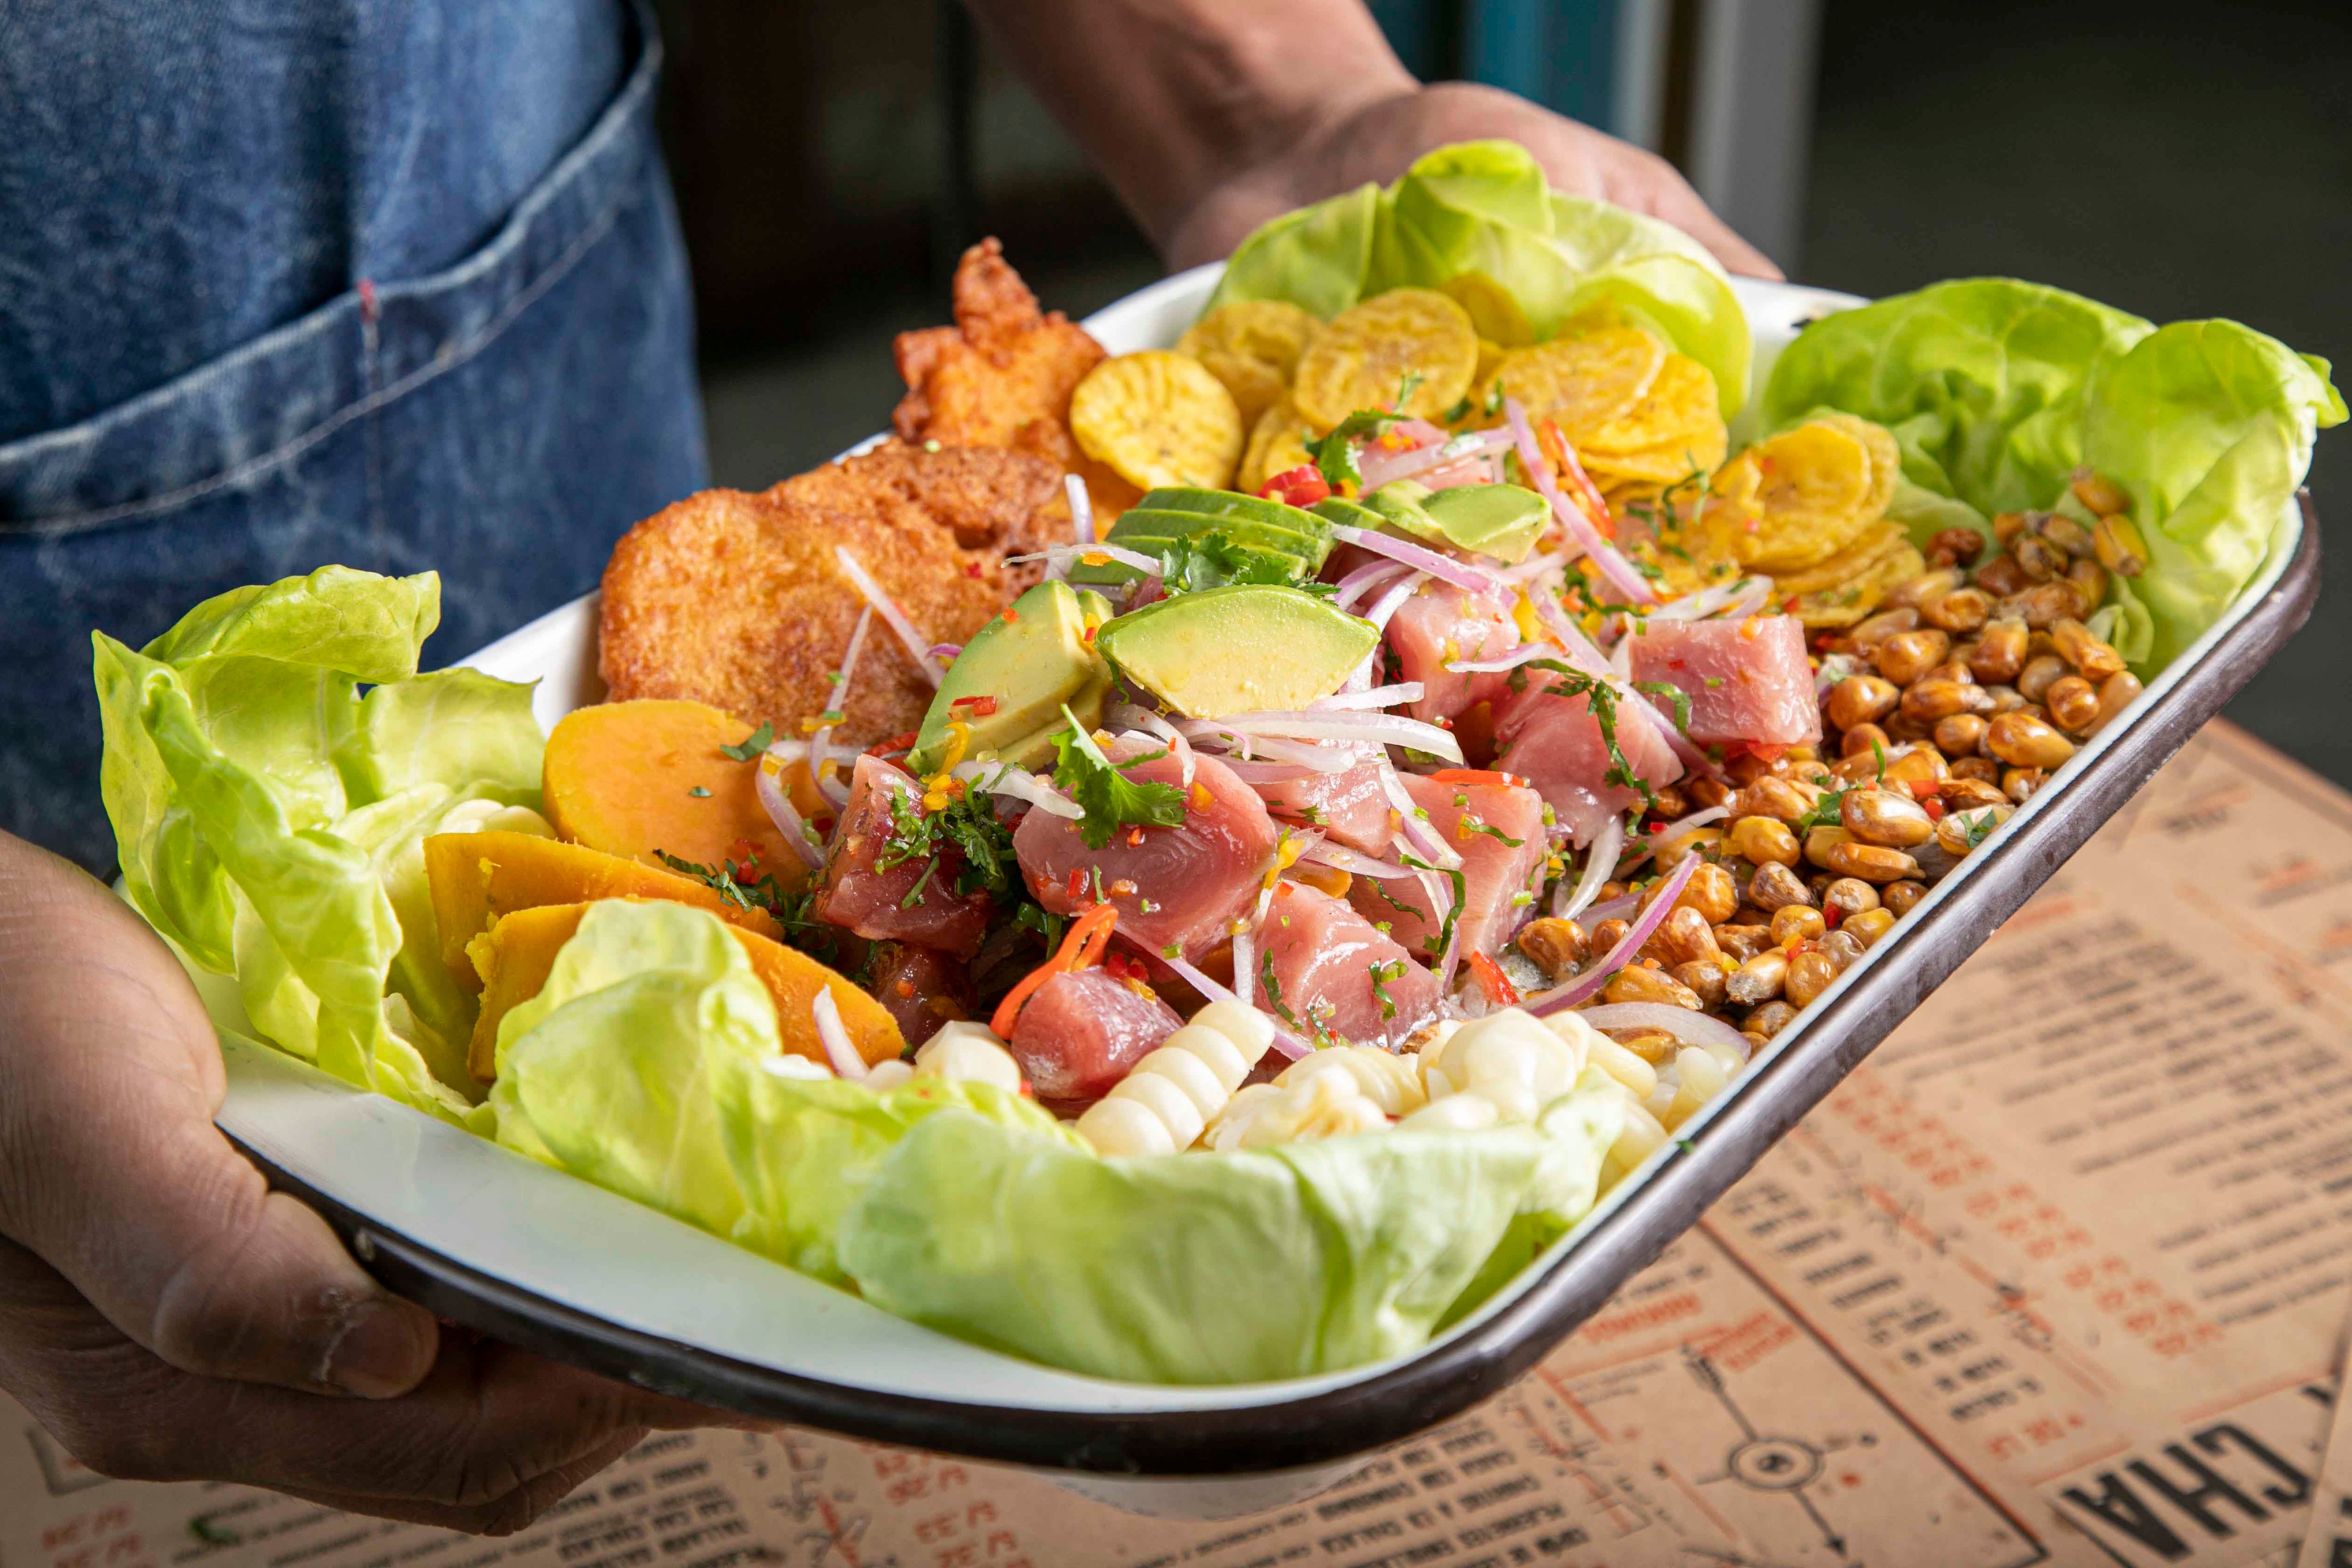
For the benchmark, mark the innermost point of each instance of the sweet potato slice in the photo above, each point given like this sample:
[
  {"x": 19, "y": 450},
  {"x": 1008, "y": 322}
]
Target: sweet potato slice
[
  {"x": 476, "y": 877},
  {"x": 622, "y": 777},
  {"x": 514, "y": 957}
]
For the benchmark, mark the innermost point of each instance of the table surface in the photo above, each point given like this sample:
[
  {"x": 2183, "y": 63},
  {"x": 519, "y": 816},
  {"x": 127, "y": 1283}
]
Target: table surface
[{"x": 2061, "y": 1275}]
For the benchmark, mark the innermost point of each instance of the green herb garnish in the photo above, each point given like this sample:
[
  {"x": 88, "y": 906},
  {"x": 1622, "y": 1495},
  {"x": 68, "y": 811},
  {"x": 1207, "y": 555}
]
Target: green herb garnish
[
  {"x": 1109, "y": 799},
  {"x": 759, "y": 741}
]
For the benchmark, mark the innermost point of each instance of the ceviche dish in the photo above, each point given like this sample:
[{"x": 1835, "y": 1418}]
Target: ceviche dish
[{"x": 1198, "y": 865}]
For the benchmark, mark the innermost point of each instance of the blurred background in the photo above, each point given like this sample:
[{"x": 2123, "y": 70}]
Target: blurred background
[{"x": 2177, "y": 159}]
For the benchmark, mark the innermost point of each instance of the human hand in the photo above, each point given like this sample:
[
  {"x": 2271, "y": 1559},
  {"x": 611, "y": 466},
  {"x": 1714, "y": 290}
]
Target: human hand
[
  {"x": 1379, "y": 137},
  {"x": 168, "y": 1318}
]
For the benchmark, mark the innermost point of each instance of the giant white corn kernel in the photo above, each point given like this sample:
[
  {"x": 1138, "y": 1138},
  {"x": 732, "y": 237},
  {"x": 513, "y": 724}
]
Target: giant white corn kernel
[
  {"x": 1162, "y": 1098},
  {"x": 1250, "y": 1030},
  {"x": 1700, "y": 1078},
  {"x": 883, "y": 1076},
  {"x": 963, "y": 1051},
  {"x": 1573, "y": 1031},
  {"x": 1454, "y": 1113},
  {"x": 1325, "y": 1103},
  {"x": 1385, "y": 1078},
  {"x": 1195, "y": 1050},
  {"x": 1637, "y": 1140},
  {"x": 1115, "y": 1126},
  {"x": 1626, "y": 1066}
]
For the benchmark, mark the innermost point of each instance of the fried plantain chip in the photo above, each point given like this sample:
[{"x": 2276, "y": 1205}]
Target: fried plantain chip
[
  {"x": 1848, "y": 601},
  {"x": 1494, "y": 309},
  {"x": 1678, "y": 410},
  {"x": 1277, "y": 444},
  {"x": 1582, "y": 381},
  {"x": 1858, "y": 559},
  {"x": 1367, "y": 353},
  {"x": 1159, "y": 418},
  {"x": 737, "y": 599},
  {"x": 1885, "y": 456},
  {"x": 1817, "y": 493},
  {"x": 1252, "y": 346}
]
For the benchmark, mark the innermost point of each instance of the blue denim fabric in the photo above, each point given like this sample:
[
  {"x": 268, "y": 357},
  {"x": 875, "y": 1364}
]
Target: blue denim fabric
[{"x": 425, "y": 309}]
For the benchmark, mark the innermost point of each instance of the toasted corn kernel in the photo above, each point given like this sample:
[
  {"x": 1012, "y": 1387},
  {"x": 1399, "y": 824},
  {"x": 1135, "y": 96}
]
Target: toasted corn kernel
[
  {"x": 2023, "y": 740},
  {"x": 1882, "y": 817},
  {"x": 2118, "y": 543},
  {"x": 1914, "y": 592},
  {"x": 2035, "y": 679},
  {"x": 1639, "y": 984},
  {"x": 1870, "y": 862},
  {"x": 1863, "y": 699},
  {"x": 1850, "y": 896},
  {"x": 1870, "y": 925},
  {"x": 2073, "y": 704},
  {"x": 2020, "y": 783},
  {"x": 1768, "y": 1020},
  {"x": 1742, "y": 942},
  {"x": 1999, "y": 652},
  {"x": 1763, "y": 840},
  {"x": 1793, "y": 923},
  {"x": 1555, "y": 946},
  {"x": 1758, "y": 979},
  {"x": 1901, "y": 898},
  {"x": 2098, "y": 493},
  {"x": 1955, "y": 547},
  {"x": 1810, "y": 974}
]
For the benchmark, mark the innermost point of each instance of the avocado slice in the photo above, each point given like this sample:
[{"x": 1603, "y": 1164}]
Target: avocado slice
[
  {"x": 1501, "y": 521},
  {"x": 1348, "y": 513},
  {"x": 1228, "y": 504},
  {"x": 1299, "y": 537},
  {"x": 1032, "y": 659},
  {"x": 1238, "y": 649}
]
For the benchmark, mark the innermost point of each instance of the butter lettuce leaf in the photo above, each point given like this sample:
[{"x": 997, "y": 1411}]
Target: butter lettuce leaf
[
  {"x": 1233, "y": 1267},
  {"x": 1315, "y": 256}
]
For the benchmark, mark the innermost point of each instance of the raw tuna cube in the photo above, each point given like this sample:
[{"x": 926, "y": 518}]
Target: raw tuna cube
[
  {"x": 1181, "y": 885},
  {"x": 1551, "y": 739},
  {"x": 870, "y": 899},
  {"x": 1443, "y": 625},
  {"x": 1081, "y": 1033},
  {"x": 1322, "y": 956},
  {"x": 1350, "y": 807},
  {"x": 921, "y": 987},
  {"x": 1495, "y": 872},
  {"x": 1746, "y": 679}
]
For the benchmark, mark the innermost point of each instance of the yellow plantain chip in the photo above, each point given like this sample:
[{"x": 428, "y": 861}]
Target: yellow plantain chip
[
  {"x": 1886, "y": 457},
  {"x": 1698, "y": 453},
  {"x": 1816, "y": 496},
  {"x": 1252, "y": 346},
  {"x": 1277, "y": 444},
  {"x": 1583, "y": 382},
  {"x": 1858, "y": 559},
  {"x": 1679, "y": 409},
  {"x": 1490, "y": 355},
  {"x": 1848, "y": 601},
  {"x": 1158, "y": 418},
  {"x": 1494, "y": 309},
  {"x": 1367, "y": 352}
]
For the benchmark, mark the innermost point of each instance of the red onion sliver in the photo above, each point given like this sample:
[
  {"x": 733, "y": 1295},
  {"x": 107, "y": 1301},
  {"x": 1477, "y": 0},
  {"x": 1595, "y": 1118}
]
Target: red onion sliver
[
  {"x": 1021, "y": 784},
  {"x": 1444, "y": 568},
  {"x": 1588, "y": 659},
  {"x": 1388, "y": 602},
  {"x": 947, "y": 649},
  {"x": 1692, "y": 1029},
  {"x": 1526, "y": 653},
  {"x": 834, "y": 1037},
  {"x": 1082, "y": 509},
  {"x": 1614, "y": 567},
  {"x": 917, "y": 647},
  {"x": 1340, "y": 857},
  {"x": 1378, "y": 697},
  {"x": 1363, "y": 580},
  {"x": 1616, "y": 908},
  {"x": 1419, "y": 836},
  {"x": 1600, "y": 865},
  {"x": 1562, "y": 998},
  {"x": 1382, "y": 729},
  {"x": 820, "y": 753},
  {"x": 1534, "y": 567},
  {"x": 769, "y": 788},
  {"x": 1196, "y": 980}
]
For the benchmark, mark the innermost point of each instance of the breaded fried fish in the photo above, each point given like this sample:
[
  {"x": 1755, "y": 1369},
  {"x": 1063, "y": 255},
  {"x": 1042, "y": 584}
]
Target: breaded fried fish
[
  {"x": 738, "y": 600},
  {"x": 1002, "y": 376}
]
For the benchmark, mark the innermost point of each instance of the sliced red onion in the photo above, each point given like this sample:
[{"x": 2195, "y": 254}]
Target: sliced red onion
[
  {"x": 1534, "y": 567},
  {"x": 1526, "y": 653},
  {"x": 1835, "y": 669},
  {"x": 1477, "y": 470},
  {"x": 1441, "y": 889},
  {"x": 769, "y": 788},
  {"x": 917, "y": 647},
  {"x": 1363, "y": 580},
  {"x": 1393, "y": 597},
  {"x": 1741, "y": 596},
  {"x": 1692, "y": 1029},
  {"x": 1614, "y": 567},
  {"x": 1384, "y": 729},
  {"x": 1649, "y": 843},
  {"x": 1062, "y": 555},
  {"x": 834, "y": 1037},
  {"x": 1019, "y": 784},
  {"x": 1419, "y": 836},
  {"x": 1295, "y": 754},
  {"x": 1586, "y": 658},
  {"x": 1151, "y": 724},
  {"x": 1378, "y": 697},
  {"x": 789, "y": 751},
  {"x": 1255, "y": 773},
  {"x": 1616, "y": 908},
  {"x": 1197, "y": 979},
  {"x": 947, "y": 649},
  {"x": 1620, "y": 659},
  {"x": 1444, "y": 568},
  {"x": 1340, "y": 857},
  {"x": 1379, "y": 467},
  {"x": 819, "y": 752},
  {"x": 1562, "y": 998},
  {"x": 1600, "y": 864},
  {"x": 1082, "y": 510}
]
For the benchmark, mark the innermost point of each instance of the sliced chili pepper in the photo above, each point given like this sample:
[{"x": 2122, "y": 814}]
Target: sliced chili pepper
[
  {"x": 905, "y": 742},
  {"x": 1301, "y": 487},
  {"x": 1831, "y": 916},
  {"x": 1082, "y": 945},
  {"x": 1482, "y": 776},
  {"x": 982, "y": 706},
  {"x": 1925, "y": 790},
  {"x": 1077, "y": 883},
  {"x": 1766, "y": 751},
  {"x": 1493, "y": 981},
  {"x": 1934, "y": 806}
]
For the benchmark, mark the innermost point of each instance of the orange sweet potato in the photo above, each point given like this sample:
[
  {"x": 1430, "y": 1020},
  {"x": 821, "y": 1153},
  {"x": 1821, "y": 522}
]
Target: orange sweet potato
[
  {"x": 478, "y": 877},
  {"x": 516, "y": 955},
  {"x": 621, "y": 777}
]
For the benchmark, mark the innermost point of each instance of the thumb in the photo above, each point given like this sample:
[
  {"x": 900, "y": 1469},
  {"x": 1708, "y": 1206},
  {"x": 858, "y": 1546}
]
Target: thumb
[{"x": 111, "y": 1170}]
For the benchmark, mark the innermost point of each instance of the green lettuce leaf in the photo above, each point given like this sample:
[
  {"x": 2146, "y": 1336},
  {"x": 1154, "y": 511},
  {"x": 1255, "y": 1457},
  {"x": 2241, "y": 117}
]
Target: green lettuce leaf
[
  {"x": 1998, "y": 390},
  {"x": 610, "y": 1071},
  {"x": 1485, "y": 207},
  {"x": 267, "y": 817},
  {"x": 1236, "y": 1268}
]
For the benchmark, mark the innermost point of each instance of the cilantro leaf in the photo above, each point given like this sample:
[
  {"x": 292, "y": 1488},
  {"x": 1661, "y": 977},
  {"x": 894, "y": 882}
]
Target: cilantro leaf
[
  {"x": 1381, "y": 975},
  {"x": 1212, "y": 560},
  {"x": 1110, "y": 800},
  {"x": 756, "y": 742},
  {"x": 1672, "y": 693},
  {"x": 1335, "y": 455}
]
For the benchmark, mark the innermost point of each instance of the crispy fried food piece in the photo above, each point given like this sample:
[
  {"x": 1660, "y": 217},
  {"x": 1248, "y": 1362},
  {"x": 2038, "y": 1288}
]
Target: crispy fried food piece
[
  {"x": 737, "y": 600},
  {"x": 1002, "y": 376}
]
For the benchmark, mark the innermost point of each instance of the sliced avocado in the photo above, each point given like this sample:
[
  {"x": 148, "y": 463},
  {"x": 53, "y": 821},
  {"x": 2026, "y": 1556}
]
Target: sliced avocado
[
  {"x": 1153, "y": 522},
  {"x": 1238, "y": 649},
  {"x": 1345, "y": 512},
  {"x": 1500, "y": 520},
  {"x": 1228, "y": 503},
  {"x": 1031, "y": 660}
]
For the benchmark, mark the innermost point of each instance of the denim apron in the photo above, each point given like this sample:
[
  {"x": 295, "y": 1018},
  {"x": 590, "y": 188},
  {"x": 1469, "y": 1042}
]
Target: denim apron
[{"x": 392, "y": 283}]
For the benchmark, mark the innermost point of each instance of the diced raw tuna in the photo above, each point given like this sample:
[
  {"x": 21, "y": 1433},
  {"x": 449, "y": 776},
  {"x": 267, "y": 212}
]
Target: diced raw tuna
[
  {"x": 1495, "y": 872},
  {"x": 1325, "y": 960},
  {"x": 870, "y": 899},
  {"x": 1551, "y": 739},
  {"x": 921, "y": 987},
  {"x": 1181, "y": 885},
  {"x": 1746, "y": 679},
  {"x": 1349, "y": 806},
  {"x": 1081, "y": 1033},
  {"x": 1443, "y": 625}
]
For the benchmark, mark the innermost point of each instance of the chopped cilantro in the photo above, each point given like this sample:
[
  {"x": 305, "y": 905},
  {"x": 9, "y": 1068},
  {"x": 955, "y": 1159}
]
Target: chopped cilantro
[
  {"x": 1435, "y": 946},
  {"x": 1672, "y": 693},
  {"x": 1316, "y": 1031},
  {"x": 758, "y": 741},
  {"x": 1471, "y": 825},
  {"x": 794, "y": 911},
  {"x": 1335, "y": 455},
  {"x": 1212, "y": 560},
  {"x": 1980, "y": 827},
  {"x": 1173, "y": 949},
  {"x": 967, "y": 827},
  {"x": 1713, "y": 681},
  {"x": 1381, "y": 975},
  {"x": 1600, "y": 698},
  {"x": 1044, "y": 923},
  {"x": 1109, "y": 799},
  {"x": 698, "y": 792}
]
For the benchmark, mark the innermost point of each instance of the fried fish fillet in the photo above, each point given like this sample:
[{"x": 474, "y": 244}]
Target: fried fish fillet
[
  {"x": 1003, "y": 376},
  {"x": 739, "y": 601}
]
